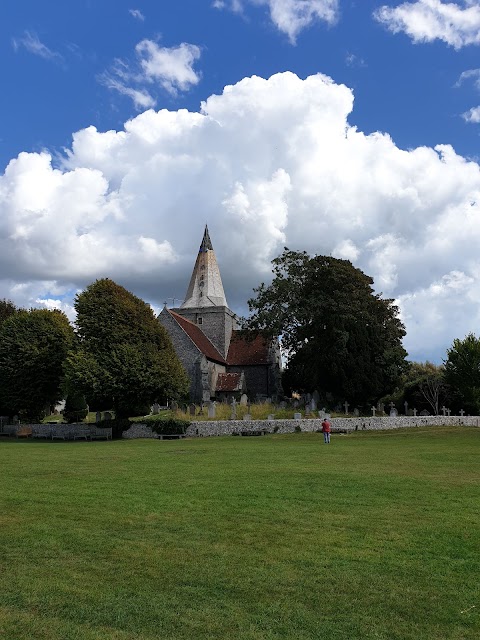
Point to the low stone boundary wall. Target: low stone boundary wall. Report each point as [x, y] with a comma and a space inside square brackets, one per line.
[58, 429]
[339, 425]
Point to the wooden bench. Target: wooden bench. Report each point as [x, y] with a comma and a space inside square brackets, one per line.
[23, 432]
[262, 432]
[171, 436]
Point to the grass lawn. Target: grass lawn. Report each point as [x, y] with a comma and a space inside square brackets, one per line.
[376, 536]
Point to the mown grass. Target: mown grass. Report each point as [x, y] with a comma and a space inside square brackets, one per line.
[373, 537]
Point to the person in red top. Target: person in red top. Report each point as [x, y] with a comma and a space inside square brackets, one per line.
[326, 430]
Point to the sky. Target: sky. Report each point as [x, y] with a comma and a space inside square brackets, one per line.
[339, 127]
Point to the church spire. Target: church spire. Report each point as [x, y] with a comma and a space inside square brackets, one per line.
[205, 288]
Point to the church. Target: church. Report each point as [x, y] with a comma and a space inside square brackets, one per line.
[221, 361]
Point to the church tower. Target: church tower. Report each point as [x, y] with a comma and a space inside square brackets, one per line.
[205, 303]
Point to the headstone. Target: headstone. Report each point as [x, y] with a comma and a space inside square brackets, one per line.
[233, 415]
[316, 397]
[107, 415]
[192, 409]
[174, 406]
[449, 411]
[307, 410]
[295, 404]
[444, 411]
[356, 412]
[373, 409]
[156, 409]
[381, 407]
[270, 416]
[405, 404]
[424, 413]
[414, 413]
[297, 416]
[346, 405]
[393, 412]
[244, 400]
[313, 404]
[212, 410]
[98, 416]
[247, 416]
[461, 412]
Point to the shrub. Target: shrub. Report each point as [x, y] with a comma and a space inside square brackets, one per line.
[298, 429]
[171, 425]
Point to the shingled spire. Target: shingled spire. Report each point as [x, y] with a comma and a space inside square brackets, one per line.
[205, 288]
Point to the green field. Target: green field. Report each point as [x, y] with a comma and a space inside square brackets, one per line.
[376, 536]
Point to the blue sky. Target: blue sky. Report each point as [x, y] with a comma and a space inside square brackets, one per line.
[281, 160]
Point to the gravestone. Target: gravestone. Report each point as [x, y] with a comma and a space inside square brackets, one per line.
[156, 409]
[321, 413]
[107, 415]
[283, 404]
[295, 404]
[313, 404]
[393, 412]
[174, 406]
[270, 416]
[346, 405]
[247, 416]
[316, 397]
[212, 410]
[307, 410]
[244, 400]
[192, 409]
[414, 413]
[297, 416]
[233, 415]
[449, 411]
[356, 412]
[98, 416]
[405, 404]
[424, 413]
[373, 410]
[444, 410]
[461, 412]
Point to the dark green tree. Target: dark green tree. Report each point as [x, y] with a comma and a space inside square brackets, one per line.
[462, 370]
[7, 309]
[33, 346]
[426, 388]
[76, 408]
[339, 336]
[125, 360]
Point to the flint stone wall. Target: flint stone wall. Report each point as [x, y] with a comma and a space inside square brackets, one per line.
[339, 425]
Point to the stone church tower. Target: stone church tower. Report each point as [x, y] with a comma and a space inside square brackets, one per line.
[220, 360]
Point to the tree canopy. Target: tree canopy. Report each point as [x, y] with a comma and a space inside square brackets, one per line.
[340, 337]
[462, 369]
[33, 345]
[125, 359]
[7, 309]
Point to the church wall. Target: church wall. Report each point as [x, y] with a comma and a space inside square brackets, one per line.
[188, 354]
[258, 379]
[216, 323]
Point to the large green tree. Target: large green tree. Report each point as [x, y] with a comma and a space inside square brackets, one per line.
[340, 337]
[7, 309]
[33, 346]
[125, 360]
[462, 370]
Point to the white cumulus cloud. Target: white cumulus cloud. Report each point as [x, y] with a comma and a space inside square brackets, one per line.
[268, 163]
[457, 24]
[289, 16]
[171, 67]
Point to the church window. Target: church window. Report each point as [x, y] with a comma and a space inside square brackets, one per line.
[199, 320]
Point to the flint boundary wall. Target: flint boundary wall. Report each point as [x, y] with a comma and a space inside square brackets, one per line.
[339, 425]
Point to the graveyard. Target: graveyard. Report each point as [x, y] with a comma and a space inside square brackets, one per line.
[373, 537]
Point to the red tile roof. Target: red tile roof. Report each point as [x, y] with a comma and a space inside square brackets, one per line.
[229, 382]
[198, 338]
[244, 350]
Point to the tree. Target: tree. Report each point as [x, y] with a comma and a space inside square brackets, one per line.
[33, 345]
[339, 336]
[126, 360]
[426, 387]
[462, 369]
[76, 408]
[7, 309]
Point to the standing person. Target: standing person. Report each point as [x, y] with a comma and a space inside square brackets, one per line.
[326, 430]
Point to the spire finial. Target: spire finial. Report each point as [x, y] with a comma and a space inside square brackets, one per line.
[206, 242]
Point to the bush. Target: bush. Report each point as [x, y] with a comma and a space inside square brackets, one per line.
[76, 408]
[171, 425]
[298, 429]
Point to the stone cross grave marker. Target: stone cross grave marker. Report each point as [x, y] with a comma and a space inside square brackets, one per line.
[444, 410]
[461, 412]
[449, 411]
[414, 413]
[373, 410]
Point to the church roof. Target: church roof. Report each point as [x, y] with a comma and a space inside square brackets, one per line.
[245, 351]
[205, 288]
[229, 382]
[198, 337]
